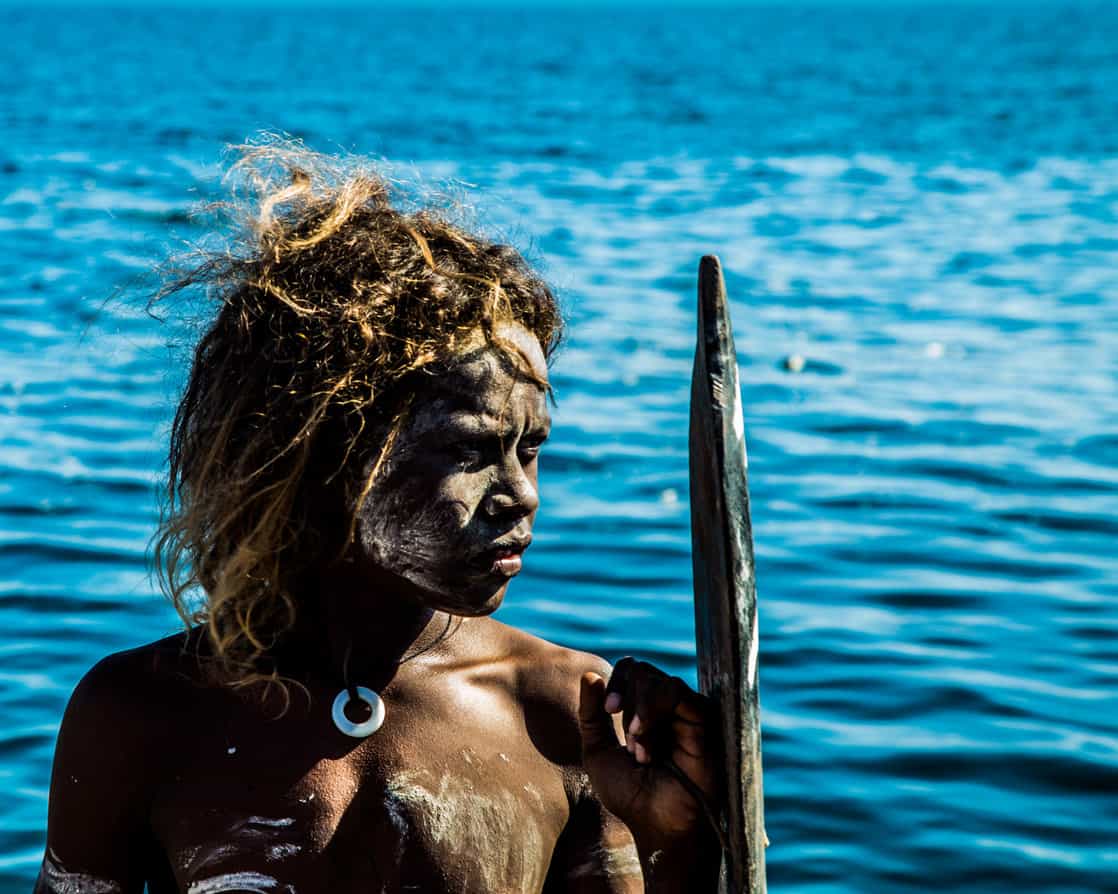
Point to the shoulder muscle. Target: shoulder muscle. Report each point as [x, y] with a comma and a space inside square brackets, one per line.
[110, 742]
[549, 677]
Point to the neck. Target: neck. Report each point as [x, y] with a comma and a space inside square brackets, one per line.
[359, 628]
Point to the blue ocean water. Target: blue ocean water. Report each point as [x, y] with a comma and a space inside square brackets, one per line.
[921, 202]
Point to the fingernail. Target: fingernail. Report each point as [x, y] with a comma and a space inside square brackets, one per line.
[613, 702]
[636, 725]
[640, 753]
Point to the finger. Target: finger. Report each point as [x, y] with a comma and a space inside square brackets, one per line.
[594, 723]
[696, 719]
[655, 697]
[691, 750]
[692, 707]
[617, 689]
[655, 718]
[619, 698]
[697, 744]
[692, 725]
[669, 719]
[642, 693]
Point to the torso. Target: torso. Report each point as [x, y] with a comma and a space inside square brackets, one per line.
[465, 788]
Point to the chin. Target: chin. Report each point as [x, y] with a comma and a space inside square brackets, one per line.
[470, 607]
[449, 590]
[468, 599]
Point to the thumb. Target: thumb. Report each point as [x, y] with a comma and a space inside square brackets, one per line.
[595, 725]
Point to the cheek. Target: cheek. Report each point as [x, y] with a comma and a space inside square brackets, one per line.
[463, 494]
[417, 512]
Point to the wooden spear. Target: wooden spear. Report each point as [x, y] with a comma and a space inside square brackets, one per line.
[725, 595]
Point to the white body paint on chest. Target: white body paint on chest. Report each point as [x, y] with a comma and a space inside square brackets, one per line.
[254, 882]
[254, 839]
[489, 833]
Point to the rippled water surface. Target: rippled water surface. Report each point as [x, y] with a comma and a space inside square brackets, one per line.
[920, 203]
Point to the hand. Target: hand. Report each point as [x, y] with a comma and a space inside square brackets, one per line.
[664, 721]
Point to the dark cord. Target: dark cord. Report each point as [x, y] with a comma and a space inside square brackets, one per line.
[701, 798]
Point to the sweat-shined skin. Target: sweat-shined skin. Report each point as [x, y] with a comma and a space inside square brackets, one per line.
[499, 767]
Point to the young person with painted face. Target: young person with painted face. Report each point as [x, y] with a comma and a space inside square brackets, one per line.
[353, 481]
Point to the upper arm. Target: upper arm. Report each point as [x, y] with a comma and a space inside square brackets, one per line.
[595, 853]
[98, 837]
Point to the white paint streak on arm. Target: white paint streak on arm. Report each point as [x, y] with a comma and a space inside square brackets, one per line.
[610, 862]
[56, 879]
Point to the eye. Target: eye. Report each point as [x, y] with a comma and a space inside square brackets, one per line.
[467, 455]
[531, 445]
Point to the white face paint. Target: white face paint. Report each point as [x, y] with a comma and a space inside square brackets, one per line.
[489, 835]
[454, 500]
[54, 878]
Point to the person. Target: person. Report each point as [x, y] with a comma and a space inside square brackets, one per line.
[353, 480]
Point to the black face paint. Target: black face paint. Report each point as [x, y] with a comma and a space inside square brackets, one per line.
[453, 503]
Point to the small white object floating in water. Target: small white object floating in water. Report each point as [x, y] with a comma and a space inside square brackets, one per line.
[795, 363]
[934, 349]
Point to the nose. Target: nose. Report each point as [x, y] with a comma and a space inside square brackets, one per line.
[513, 495]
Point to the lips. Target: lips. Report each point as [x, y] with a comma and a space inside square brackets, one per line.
[505, 558]
[508, 566]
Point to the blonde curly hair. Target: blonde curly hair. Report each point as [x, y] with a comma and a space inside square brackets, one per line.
[330, 304]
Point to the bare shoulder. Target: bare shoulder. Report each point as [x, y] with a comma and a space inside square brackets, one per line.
[547, 678]
[547, 670]
[116, 737]
[137, 678]
[125, 702]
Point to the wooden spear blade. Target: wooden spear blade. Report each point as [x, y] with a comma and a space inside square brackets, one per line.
[725, 595]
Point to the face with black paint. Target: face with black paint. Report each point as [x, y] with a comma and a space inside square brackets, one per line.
[451, 510]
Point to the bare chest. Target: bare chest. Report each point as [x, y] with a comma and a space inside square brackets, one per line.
[436, 800]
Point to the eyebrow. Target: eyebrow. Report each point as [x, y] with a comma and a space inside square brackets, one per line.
[486, 423]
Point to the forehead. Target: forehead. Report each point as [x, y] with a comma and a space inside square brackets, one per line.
[493, 385]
